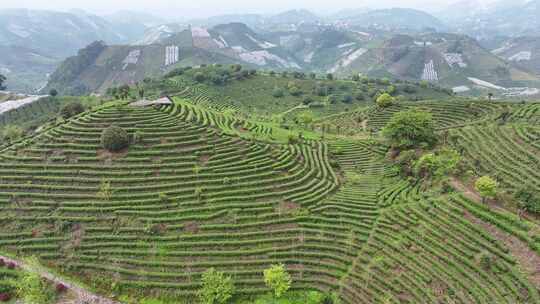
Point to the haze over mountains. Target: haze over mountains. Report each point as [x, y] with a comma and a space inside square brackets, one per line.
[395, 42]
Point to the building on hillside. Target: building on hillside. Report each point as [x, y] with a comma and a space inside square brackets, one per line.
[166, 100]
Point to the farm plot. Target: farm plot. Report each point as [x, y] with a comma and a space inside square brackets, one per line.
[511, 151]
[428, 252]
[183, 199]
[446, 114]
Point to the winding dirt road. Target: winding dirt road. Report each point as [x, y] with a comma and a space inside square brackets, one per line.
[79, 295]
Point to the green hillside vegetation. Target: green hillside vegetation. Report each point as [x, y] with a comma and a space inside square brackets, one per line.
[242, 191]
[280, 96]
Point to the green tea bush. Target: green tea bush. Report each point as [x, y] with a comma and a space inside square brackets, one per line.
[114, 139]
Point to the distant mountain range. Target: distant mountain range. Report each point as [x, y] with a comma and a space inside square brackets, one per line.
[397, 42]
[512, 18]
[448, 59]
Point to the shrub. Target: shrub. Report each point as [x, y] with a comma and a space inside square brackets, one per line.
[11, 133]
[278, 92]
[292, 139]
[330, 76]
[295, 91]
[2, 263]
[485, 260]
[347, 98]
[32, 289]
[529, 199]
[199, 77]
[11, 265]
[53, 92]
[307, 100]
[163, 197]
[277, 279]
[217, 288]
[385, 100]
[321, 90]
[332, 99]
[71, 109]
[114, 139]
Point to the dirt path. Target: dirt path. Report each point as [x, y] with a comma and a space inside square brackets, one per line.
[364, 124]
[528, 260]
[79, 295]
[300, 106]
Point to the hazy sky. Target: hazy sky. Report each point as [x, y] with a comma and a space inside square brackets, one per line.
[200, 8]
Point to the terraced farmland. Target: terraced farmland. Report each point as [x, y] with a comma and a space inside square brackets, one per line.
[201, 187]
[446, 114]
[184, 198]
[512, 152]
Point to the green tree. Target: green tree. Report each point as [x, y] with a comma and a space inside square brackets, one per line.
[217, 288]
[385, 100]
[53, 92]
[438, 164]
[410, 129]
[278, 279]
[330, 76]
[295, 91]
[71, 109]
[486, 186]
[529, 198]
[199, 77]
[2, 81]
[123, 91]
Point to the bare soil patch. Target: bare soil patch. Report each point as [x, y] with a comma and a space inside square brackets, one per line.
[107, 155]
[191, 227]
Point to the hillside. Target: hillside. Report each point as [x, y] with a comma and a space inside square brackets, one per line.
[498, 18]
[214, 180]
[449, 60]
[521, 51]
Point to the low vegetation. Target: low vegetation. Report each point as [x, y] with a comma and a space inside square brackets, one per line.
[330, 199]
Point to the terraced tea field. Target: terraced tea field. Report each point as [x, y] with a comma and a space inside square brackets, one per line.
[201, 186]
[513, 152]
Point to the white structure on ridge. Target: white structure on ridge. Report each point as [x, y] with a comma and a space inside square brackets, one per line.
[171, 54]
[430, 74]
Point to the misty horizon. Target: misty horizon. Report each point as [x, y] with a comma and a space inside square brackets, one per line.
[207, 8]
